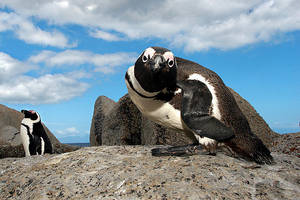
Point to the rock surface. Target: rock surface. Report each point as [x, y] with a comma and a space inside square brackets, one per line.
[257, 124]
[287, 144]
[103, 106]
[130, 172]
[123, 124]
[10, 142]
[10, 122]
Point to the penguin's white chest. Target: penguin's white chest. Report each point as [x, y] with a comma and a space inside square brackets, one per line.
[29, 123]
[158, 111]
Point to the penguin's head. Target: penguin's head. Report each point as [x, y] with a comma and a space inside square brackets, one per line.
[31, 114]
[156, 69]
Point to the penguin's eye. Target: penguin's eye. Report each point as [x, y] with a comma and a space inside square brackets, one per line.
[171, 63]
[144, 58]
[170, 58]
[148, 53]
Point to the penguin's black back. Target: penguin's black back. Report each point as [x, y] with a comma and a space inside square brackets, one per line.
[39, 132]
[231, 115]
[245, 143]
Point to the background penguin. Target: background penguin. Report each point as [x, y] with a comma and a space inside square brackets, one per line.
[33, 135]
[188, 97]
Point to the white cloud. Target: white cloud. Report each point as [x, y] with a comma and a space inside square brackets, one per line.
[104, 63]
[71, 131]
[193, 25]
[10, 67]
[287, 125]
[72, 135]
[68, 57]
[25, 30]
[16, 87]
[44, 89]
[104, 35]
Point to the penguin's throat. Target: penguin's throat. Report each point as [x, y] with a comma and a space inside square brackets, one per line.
[134, 84]
[150, 81]
[151, 84]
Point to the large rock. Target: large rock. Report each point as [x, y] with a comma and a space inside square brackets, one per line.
[123, 124]
[10, 122]
[102, 108]
[130, 172]
[10, 142]
[256, 122]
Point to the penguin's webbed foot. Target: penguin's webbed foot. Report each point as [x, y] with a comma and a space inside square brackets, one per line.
[186, 150]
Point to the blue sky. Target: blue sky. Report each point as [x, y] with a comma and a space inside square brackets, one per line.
[57, 57]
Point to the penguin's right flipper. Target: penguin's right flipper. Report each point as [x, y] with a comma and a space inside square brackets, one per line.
[196, 102]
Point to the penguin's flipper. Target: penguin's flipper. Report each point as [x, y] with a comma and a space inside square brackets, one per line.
[196, 102]
[47, 142]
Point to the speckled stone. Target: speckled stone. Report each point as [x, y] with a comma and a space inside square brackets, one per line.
[287, 144]
[130, 172]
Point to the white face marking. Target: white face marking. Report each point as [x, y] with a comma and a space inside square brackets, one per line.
[170, 58]
[136, 84]
[38, 117]
[148, 53]
[215, 104]
[25, 140]
[30, 122]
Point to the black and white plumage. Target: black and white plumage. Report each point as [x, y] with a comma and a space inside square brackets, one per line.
[33, 135]
[190, 98]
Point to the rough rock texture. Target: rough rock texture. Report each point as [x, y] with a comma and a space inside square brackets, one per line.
[10, 142]
[287, 144]
[10, 121]
[124, 124]
[103, 106]
[256, 122]
[130, 172]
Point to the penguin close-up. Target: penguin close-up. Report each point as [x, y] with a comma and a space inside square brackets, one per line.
[187, 97]
[33, 135]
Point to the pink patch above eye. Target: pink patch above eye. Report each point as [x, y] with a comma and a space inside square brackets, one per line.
[32, 111]
[168, 56]
[149, 52]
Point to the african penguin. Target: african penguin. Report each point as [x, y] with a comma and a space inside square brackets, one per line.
[33, 135]
[187, 97]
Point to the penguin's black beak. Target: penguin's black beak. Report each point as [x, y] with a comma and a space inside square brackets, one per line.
[157, 63]
[22, 111]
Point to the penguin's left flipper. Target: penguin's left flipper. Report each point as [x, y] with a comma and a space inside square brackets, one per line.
[196, 102]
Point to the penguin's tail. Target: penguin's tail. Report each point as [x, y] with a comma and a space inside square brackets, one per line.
[251, 148]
